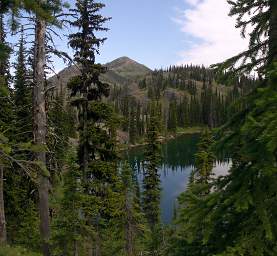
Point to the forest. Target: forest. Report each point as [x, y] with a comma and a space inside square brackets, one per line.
[66, 190]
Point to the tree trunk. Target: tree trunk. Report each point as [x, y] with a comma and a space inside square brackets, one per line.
[85, 157]
[76, 250]
[40, 130]
[3, 232]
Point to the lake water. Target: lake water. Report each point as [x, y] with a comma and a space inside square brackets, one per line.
[177, 164]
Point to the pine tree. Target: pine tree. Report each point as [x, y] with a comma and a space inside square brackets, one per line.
[204, 158]
[22, 96]
[68, 223]
[172, 119]
[5, 122]
[238, 216]
[20, 200]
[262, 50]
[97, 122]
[129, 227]
[189, 232]
[132, 126]
[151, 180]
[40, 130]
[42, 20]
[60, 128]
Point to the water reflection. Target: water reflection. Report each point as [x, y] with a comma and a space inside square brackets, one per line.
[177, 164]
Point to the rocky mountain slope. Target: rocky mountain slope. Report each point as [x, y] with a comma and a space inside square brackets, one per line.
[121, 71]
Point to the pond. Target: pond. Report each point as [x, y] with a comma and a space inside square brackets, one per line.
[177, 164]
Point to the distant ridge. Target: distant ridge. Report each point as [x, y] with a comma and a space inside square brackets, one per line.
[121, 71]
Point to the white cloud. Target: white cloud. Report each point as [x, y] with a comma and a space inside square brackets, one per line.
[216, 37]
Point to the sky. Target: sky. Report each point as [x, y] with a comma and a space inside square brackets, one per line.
[159, 33]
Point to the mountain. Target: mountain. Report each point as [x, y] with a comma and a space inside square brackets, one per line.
[128, 68]
[121, 71]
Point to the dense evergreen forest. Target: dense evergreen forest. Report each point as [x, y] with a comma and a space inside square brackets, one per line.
[64, 189]
[189, 96]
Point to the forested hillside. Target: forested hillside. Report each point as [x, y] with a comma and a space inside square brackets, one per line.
[189, 96]
[65, 189]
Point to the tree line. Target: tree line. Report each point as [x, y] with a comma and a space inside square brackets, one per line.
[189, 96]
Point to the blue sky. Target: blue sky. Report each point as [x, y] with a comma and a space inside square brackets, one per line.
[143, 30]
[159, 33]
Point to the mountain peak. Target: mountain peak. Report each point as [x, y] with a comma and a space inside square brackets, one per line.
[128, 68]
[124, 60]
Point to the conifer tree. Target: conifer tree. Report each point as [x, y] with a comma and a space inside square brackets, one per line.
[132, 126]
[40, 129]
[60, 128]
[96, 152]
[262, 50]
[68, 224]
[130, 222]
[238, 216]
[151, 180]
[5, 122]
[172, 119]
[189, 232]
[22, 95]
[42, 19]
[20, 205]
[204, 158]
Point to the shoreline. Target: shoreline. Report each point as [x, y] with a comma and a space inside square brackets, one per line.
[163, 138]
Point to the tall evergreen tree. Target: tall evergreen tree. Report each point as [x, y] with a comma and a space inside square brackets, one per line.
[68, 224]
[22, 95]
[132, 126]
[96, 152]
[5, 121]
[40, 129]
[172, 119]
[21, 200]
[238, 216]
[129, 228]
[39, 111]
[151, 180]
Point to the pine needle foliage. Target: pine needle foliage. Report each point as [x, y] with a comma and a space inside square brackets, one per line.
[258, 19]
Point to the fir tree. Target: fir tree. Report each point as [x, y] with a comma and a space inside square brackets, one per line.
[189, 232]
[204, 159]
[151, 180]
[22, 215]
[97, 123]
[40, 125]
[22, 96]
[172, 119]
[262, 50]
[68, 223]
[129, 228]
[238, 216]
[5, 122]
[132, 127]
